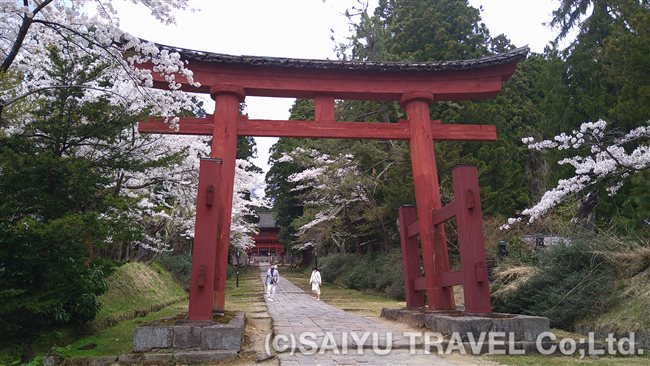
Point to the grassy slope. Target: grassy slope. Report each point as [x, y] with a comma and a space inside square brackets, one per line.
[136, 289]
[632, 314]
[117, 339]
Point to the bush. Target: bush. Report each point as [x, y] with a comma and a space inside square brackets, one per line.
[47, 277]
[180, 266]
[378, 273]
[569, 282]
[334, 265]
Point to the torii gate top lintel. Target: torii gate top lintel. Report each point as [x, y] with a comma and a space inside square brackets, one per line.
[229, 79]
[367, 80]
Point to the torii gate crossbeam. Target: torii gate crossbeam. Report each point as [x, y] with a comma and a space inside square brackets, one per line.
[229, 79]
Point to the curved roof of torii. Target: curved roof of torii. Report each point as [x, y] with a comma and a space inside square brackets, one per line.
[370, 80]
[513, 55]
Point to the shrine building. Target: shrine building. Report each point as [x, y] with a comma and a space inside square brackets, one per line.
[267, 244]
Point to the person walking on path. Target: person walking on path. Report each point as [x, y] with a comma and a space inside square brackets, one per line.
[315, 281]
[272, 278]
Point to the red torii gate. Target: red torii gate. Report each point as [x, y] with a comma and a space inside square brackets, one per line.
[229, 79]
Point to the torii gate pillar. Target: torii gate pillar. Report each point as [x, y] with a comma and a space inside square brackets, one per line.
[214, 208]
[224, 146]
[427, 195]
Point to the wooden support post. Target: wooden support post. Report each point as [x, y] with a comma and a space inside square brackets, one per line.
[205, 240]
[224, 146]
[476, 286]
[324, 108]
[410, 258]
[427, 195]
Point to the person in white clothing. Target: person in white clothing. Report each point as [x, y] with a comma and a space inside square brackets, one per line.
[315, 282]
[271, 282]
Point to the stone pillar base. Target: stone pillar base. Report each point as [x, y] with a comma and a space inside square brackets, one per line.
[190, 335]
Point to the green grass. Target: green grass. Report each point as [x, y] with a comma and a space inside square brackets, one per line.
[117, 339]
[134, 290]
[249, 296]
[631, 313]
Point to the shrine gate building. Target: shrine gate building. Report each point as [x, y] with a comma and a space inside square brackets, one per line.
[267, 244]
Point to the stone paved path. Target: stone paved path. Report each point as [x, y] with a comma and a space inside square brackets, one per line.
[331, 336]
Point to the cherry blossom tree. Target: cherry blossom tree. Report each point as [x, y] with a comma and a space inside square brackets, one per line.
[88, 30]
[602, 159]
[30, 27]
[339, 207]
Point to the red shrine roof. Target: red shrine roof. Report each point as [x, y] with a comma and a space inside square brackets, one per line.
[514, 55]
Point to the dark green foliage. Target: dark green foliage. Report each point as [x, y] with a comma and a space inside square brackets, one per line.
[379, 273]
[605, 71]
[434, 30]
[47, 275]
[632, 207]
[180, 266]
[334, 265]
[570, 282]
[57, 215]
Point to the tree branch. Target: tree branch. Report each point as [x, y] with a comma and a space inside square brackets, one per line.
[20, 38]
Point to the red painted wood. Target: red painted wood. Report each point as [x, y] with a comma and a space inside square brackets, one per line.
[449, 279]
[457, 132]
[443, 214]
[427, 194]
[205, 249]
[410, 258]
[413, 229]
[186, 126]
[224, 146]
[452, 278]
[479, 83]
[336, 130]
[419, 284]
[352, 130]
[470, 240]
[228, 84]
[324, 108]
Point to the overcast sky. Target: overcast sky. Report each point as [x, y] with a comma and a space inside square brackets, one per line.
[302, 29]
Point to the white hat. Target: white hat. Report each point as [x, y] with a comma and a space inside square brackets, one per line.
[275, 266]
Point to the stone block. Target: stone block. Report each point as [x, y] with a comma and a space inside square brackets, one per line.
[519, 327]
[529, 327]
[130, 359]
[220, 337]
[102, 361]
[151, 337]
[454, 324]
[165, 358]
[187, 337]
[413, 318]
[204, 356]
